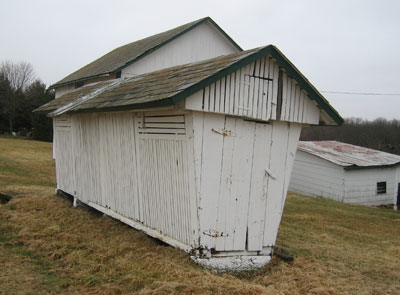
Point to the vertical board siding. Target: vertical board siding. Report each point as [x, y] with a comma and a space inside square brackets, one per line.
[136, 166]
[283, 146]
[208, 167]
[361, 186]
[296, 105]
[165, 189]
[258, 191]
[63, 154]
[314, 176]
[241, 179]
[163, 173]
[252, 92]
[234, 189]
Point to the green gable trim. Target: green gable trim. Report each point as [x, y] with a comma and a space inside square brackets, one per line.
[306, 85]
[201, 21]
[264, 51]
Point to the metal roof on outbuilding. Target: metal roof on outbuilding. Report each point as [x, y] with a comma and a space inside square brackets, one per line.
[123, 56]
[349, 156]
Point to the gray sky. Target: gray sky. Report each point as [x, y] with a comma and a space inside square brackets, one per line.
[339, 45]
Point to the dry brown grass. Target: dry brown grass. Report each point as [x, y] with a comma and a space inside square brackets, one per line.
[49, 247]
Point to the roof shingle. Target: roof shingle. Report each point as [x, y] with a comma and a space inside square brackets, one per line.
[122, 56]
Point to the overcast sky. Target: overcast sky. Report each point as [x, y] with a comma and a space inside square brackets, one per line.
[339, 45]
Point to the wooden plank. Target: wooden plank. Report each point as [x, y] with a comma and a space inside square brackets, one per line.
[210, 176]
[280, 132]
[164, 119]
[198, 121]
[250, 99]
[225, 187]
[301, 106]
[293, 108]
[298, 97]
[275, 87]
[206, 106]
[262, 94]
[211, 106]
[246, 90]
[230, 86]
[237, 93]
[192, 198]
[162, 131]
[268, 73]
[241, 175]
[170, 125]
[258, 191]
[284, 97]
[293, 139]
[218, 97]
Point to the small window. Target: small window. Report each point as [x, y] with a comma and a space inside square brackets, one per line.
[381, 188]
[118, 75]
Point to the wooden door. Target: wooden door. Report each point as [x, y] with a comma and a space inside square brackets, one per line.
[164, 192]
[237, 159]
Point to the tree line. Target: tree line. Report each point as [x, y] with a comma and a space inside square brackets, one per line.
[379, 134]
[20, 93]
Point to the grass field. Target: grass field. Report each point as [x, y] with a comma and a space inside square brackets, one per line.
[49, 247]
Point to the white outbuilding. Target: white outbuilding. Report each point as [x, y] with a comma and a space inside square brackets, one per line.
[346, 173]
[198, 155]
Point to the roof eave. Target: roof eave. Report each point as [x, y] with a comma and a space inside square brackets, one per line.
[355, 167]
[54, 86]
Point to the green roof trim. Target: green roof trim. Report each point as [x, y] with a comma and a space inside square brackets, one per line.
[264, 51]
[147, 52]
[355, 167]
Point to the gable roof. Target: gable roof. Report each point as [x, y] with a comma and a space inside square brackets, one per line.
[123, 56]
[170, 86]
[349, 156]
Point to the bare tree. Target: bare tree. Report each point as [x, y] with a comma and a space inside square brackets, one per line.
[19, 75]
[15, 78]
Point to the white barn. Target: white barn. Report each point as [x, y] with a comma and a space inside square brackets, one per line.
[346, 173]
[197, 155]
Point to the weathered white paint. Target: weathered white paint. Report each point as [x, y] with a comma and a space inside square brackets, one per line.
[212, 181]
[252, 92]
[202, 42]
[318, 177]
[360, 186]
[233, 187]
[63, 153]
[60, 91]
[195, 187]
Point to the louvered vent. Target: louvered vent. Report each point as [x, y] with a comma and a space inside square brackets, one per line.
[162, 124]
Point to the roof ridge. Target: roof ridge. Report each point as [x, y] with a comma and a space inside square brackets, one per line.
[143, 49]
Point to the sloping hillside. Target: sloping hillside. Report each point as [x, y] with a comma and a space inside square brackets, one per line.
[49, 247]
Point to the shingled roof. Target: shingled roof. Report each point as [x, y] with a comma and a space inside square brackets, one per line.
[124, 56]
[172, 85]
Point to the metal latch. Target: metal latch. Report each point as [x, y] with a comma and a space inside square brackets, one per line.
[223, 132]
[215, 234]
